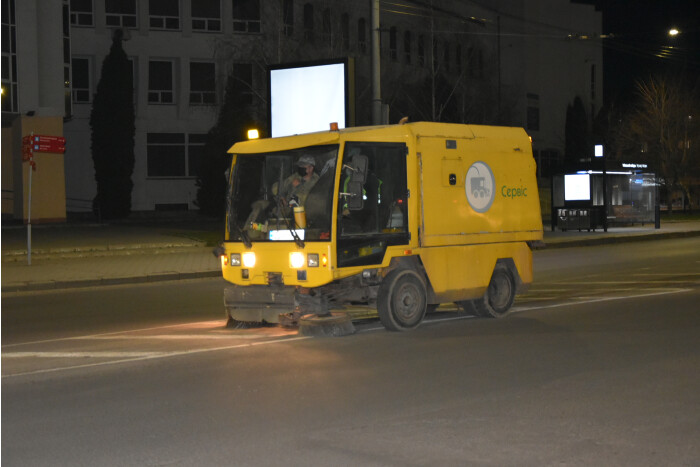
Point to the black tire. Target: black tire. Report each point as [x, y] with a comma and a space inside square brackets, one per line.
[402, 300]
[499, 296]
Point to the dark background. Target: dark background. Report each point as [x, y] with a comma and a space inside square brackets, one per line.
[640, 45]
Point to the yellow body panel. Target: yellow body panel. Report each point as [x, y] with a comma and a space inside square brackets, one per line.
[463, 272]
[447, 216]
[461, 219]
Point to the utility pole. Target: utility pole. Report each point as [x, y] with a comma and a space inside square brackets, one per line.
[498, 26]
[376, 76]
[433, 61]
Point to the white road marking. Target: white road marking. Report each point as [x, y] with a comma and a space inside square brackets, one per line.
[196, 324]
[156, 355]
[182, 337]
[152, 357]
[666, 274]
[84, 354]
[598, 299]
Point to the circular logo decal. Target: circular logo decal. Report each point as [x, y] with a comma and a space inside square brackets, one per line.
[479, 186]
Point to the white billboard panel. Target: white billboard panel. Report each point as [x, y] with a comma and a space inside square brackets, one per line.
[577, 187]
[305, 99]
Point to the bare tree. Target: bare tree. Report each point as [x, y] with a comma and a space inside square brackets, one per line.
[660, 130]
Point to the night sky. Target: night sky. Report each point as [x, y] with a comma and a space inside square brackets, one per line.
[641, 44]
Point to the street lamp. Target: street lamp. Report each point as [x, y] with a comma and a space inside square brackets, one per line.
[673, 32]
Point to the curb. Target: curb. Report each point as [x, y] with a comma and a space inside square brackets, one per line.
[175, 276]
[619, 239]
[108, 281]
[98, 252]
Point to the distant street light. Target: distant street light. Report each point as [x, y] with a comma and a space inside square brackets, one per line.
[673, 32]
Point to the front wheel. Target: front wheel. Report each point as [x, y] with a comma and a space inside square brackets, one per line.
[402, 300]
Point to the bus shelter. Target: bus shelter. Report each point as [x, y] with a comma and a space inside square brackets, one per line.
[592, 199]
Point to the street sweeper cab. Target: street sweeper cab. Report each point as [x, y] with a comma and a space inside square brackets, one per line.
[401, 217]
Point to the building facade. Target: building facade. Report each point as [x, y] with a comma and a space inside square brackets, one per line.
[505, 62]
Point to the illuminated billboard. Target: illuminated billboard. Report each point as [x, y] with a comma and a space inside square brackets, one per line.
[577, 187]
[307, 97]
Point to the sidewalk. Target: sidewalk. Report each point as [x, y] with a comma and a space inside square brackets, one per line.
[88, 255]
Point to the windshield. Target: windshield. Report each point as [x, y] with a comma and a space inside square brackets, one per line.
[282, 196]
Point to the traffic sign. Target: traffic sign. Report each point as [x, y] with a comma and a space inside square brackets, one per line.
[50, 139]
[44, 143]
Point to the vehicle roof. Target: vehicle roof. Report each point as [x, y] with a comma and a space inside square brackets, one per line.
[376, 133]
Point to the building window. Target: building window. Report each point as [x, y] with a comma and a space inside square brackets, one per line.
[447, 56]
[67, 101]
[206, 15]
[459, 58]
[9, 58]
[362, 35]
[80, 68]
[471, 62]
[309, 22]
[345, 30]
[81, 13]
[436, 63]
[202, 83]
[174, 154]
[326, 26]
[407, 46]
[421, 50]
[246, 16]
[160, 82]
[243, 76]
[288, 17]
[393, 53]
[476, 63]
[134, 80]
[165, 153]
[480, 63]
[195, 153]
[164, 14]
[121, 13]
[533, 118]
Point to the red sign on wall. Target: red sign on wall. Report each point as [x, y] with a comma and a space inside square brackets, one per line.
[43, 143]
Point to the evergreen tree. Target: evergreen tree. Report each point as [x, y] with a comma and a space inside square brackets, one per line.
[112, 125]
[576, 133]
[235, 118]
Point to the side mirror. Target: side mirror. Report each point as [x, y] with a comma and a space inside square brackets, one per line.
[358, 166]
[354, 198]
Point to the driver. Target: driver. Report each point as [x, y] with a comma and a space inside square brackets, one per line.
[296, 187]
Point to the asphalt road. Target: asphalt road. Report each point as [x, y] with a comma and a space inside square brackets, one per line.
[598, 365]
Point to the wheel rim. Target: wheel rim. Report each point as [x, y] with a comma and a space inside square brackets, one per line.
[407, 303]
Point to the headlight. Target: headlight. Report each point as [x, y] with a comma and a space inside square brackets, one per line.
[296, 259]
[249, 259]
[235, 259]
[312, 260]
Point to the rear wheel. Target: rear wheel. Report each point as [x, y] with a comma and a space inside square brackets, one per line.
[402, 300]
[499, 296]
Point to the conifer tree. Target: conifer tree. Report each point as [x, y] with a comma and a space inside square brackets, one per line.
[113, 127]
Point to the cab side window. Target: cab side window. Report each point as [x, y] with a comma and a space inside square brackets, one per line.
[365, 229]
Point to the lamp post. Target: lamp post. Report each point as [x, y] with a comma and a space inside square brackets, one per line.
[376, 60]
[598, 152]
